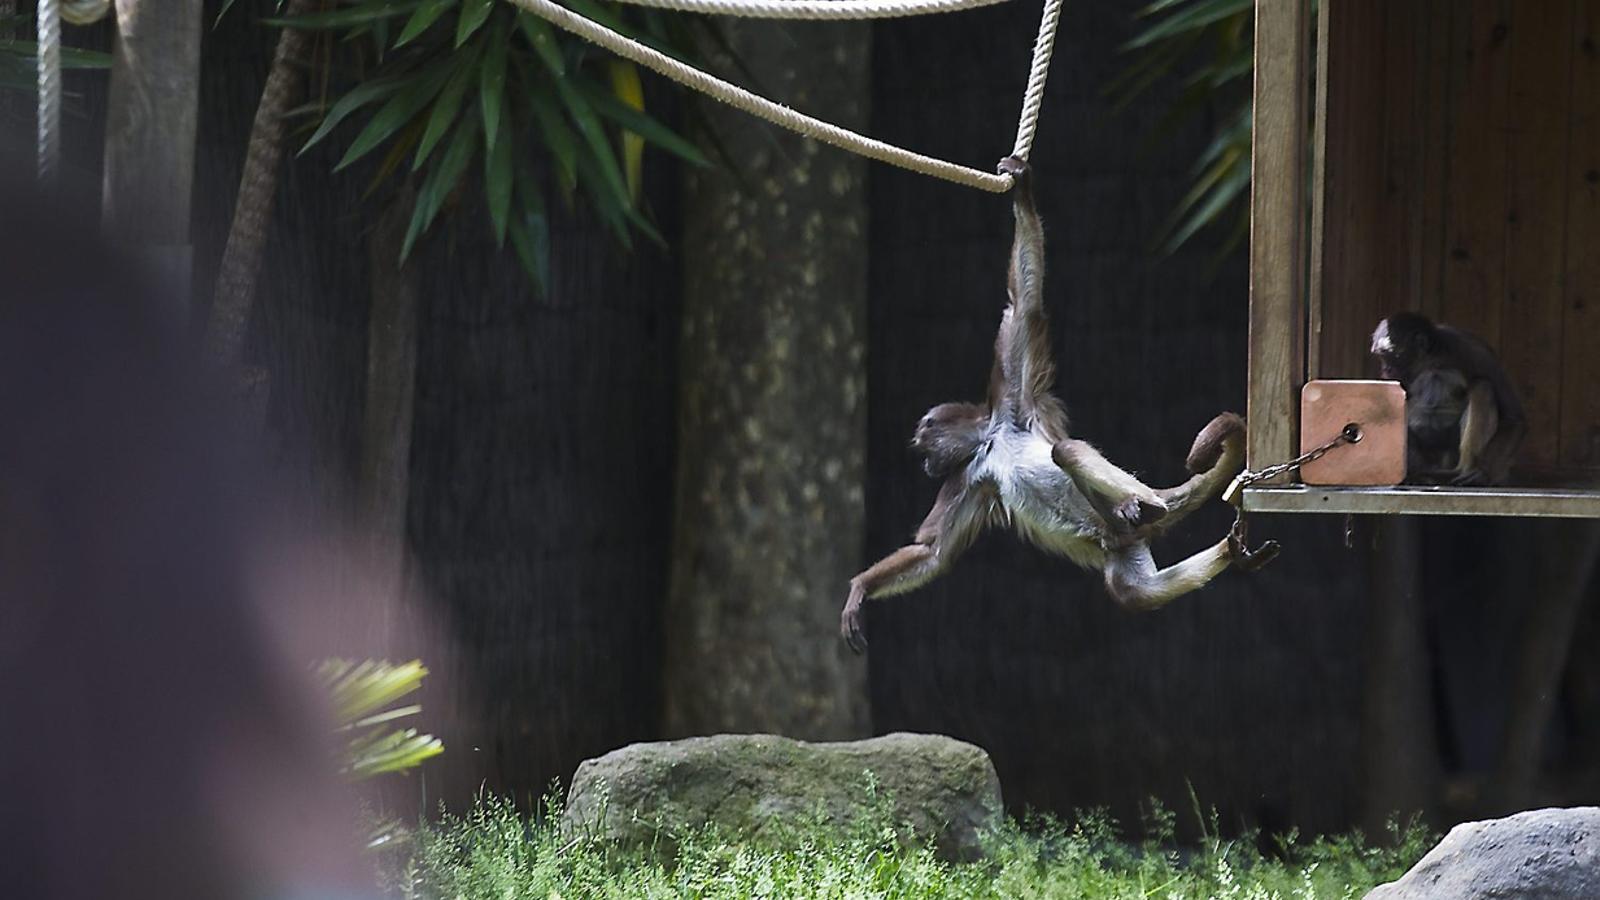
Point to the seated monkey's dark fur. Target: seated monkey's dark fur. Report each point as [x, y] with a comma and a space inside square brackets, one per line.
[1464, 421]
[1010, 462]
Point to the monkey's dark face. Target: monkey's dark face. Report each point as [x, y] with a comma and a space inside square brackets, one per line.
[1399, 341]
[948, 435]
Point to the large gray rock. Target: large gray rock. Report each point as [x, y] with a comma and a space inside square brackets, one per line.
[754, 787]
[1544, 854]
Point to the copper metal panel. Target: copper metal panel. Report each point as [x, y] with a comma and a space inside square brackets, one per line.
[1378, 408]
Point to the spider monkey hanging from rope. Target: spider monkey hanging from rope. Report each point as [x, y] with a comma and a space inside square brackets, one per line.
[1010, 462]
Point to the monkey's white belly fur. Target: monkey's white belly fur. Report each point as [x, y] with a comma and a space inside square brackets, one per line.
[1040, 500]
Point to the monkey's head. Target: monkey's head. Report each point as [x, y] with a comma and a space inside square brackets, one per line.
[949, 435]
[1400, 341]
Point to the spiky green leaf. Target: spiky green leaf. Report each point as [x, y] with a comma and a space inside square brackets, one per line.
[600, 153]
[558, 137]
[643, 125]
[543, 40]
[1197, 15]
[473, 14]
[71, 57]
[359, 96]
[497, 185]
[412, 98]
[530, 231]
[426, 14]
[492, 83]
[447, 106]
[363, 14]
[441, 181]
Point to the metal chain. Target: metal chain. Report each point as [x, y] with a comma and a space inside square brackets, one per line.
[1351, 434]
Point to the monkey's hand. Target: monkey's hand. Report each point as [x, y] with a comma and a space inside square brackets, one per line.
[850, 625]
[1017, 168]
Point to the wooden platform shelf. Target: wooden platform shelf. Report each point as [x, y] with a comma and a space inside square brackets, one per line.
[1426, 501]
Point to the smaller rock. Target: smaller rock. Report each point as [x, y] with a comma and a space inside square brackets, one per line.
[757, 787]
[1543, 854]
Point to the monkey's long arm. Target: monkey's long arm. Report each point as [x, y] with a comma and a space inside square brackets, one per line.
[949, 529]
[1023, 373]
[1488, 442]
[1495, 422]
[902, 570]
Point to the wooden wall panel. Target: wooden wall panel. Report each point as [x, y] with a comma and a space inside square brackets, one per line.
[1349, 280]
[1437, 29]
[1460, 176]
[1536, 216]
[1400, 180]
[1382, 203]
[1580, 358]
[1475, 192]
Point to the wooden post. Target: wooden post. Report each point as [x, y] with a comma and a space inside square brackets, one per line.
[1319, 198]
[1555, 584]
[1399, 755]
[1277, 246]
[151, 118]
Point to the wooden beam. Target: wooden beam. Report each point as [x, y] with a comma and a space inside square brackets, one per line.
[1277, 228]
[1319, 193]
[1426, 501]
[1399, 754]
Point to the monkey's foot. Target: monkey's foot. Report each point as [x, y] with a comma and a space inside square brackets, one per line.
[1471, 477]
[1251, 560]
[851, 628]
[1135, 512]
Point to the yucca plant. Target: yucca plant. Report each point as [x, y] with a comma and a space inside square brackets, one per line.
[1209, 43]
[464, 88]
[362, 694]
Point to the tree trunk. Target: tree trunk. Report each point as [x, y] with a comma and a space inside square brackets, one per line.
[385, 475]
[151, 117]
[770, 514]
[258, 191]
[1400, 758]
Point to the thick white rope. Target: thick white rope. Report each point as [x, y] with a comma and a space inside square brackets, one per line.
[809, 126]
[49, 62]
[1033, 98]
[815, 9]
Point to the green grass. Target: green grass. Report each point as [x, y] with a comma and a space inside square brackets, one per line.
[495, 854]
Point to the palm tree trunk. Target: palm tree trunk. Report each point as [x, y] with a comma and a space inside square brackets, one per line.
[384, 479]
[258, 191]
[770, 519]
